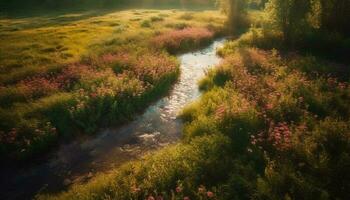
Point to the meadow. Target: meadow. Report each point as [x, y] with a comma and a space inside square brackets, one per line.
[264, 129]
[272, 123]
[67, 74]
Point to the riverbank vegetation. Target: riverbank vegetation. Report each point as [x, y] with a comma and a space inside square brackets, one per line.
[70, 74]
[273, 121]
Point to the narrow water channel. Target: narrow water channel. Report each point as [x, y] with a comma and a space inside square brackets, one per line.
[81, 160]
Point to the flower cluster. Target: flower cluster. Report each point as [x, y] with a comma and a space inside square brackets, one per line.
[8, 137]
[203, 193]
[148, 67]
[174, 40]
[280, 136]
[19, 139]
[46, 84]
[152, 67]
[38, 86]
[72, 74]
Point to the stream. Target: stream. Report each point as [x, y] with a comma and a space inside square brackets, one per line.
[80, 160]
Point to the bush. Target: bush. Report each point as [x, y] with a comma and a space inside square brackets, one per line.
[146, 24]
[156, 19]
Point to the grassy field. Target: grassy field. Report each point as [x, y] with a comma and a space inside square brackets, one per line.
[271, 125]
[273, 121]
[263, 130]
[65, 74]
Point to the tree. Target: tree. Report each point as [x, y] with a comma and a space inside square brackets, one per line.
[235, 11]
[289, 16]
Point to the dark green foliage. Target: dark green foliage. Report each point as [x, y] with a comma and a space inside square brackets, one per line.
[289, 17]
[146, 24]
[318, 27]
[329, 45]
[334, 16]
[6, 5]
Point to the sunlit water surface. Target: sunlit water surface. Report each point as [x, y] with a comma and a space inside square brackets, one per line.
[158, 126]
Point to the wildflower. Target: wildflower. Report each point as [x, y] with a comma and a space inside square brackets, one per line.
[269, 106]
[93, 95]
[39, 86]
[150, 198]
[178, 189]
[210, 194]
[201, 189]
[342, 86]
[160, 198]
[280, 136]
[187, 198]
[135, 189]
[301, 99]
[174, 39]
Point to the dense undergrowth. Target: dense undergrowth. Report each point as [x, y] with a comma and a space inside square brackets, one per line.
[69, 74]
[270, 125]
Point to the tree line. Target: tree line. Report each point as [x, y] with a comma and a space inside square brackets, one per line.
[316, 26]
[293, 17]
[62, 4]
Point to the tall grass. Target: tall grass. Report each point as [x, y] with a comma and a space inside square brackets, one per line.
[264, 129]
[65, 75]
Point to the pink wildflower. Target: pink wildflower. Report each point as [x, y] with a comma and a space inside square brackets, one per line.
[178, 189]
[210, 194]
[201, 189]
[160, 198]
[150, 198]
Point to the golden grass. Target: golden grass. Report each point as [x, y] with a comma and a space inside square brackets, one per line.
[38, 44]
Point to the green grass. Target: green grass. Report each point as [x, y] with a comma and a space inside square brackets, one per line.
[74, 73]
[271, 124]
[45, 43]
[159, 172]
[267, 127]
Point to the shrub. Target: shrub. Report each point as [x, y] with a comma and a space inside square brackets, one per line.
[186, 16]
[157, 19]
[146, 24]
[178, 26]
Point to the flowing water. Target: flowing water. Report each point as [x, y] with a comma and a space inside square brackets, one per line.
[79, 161]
